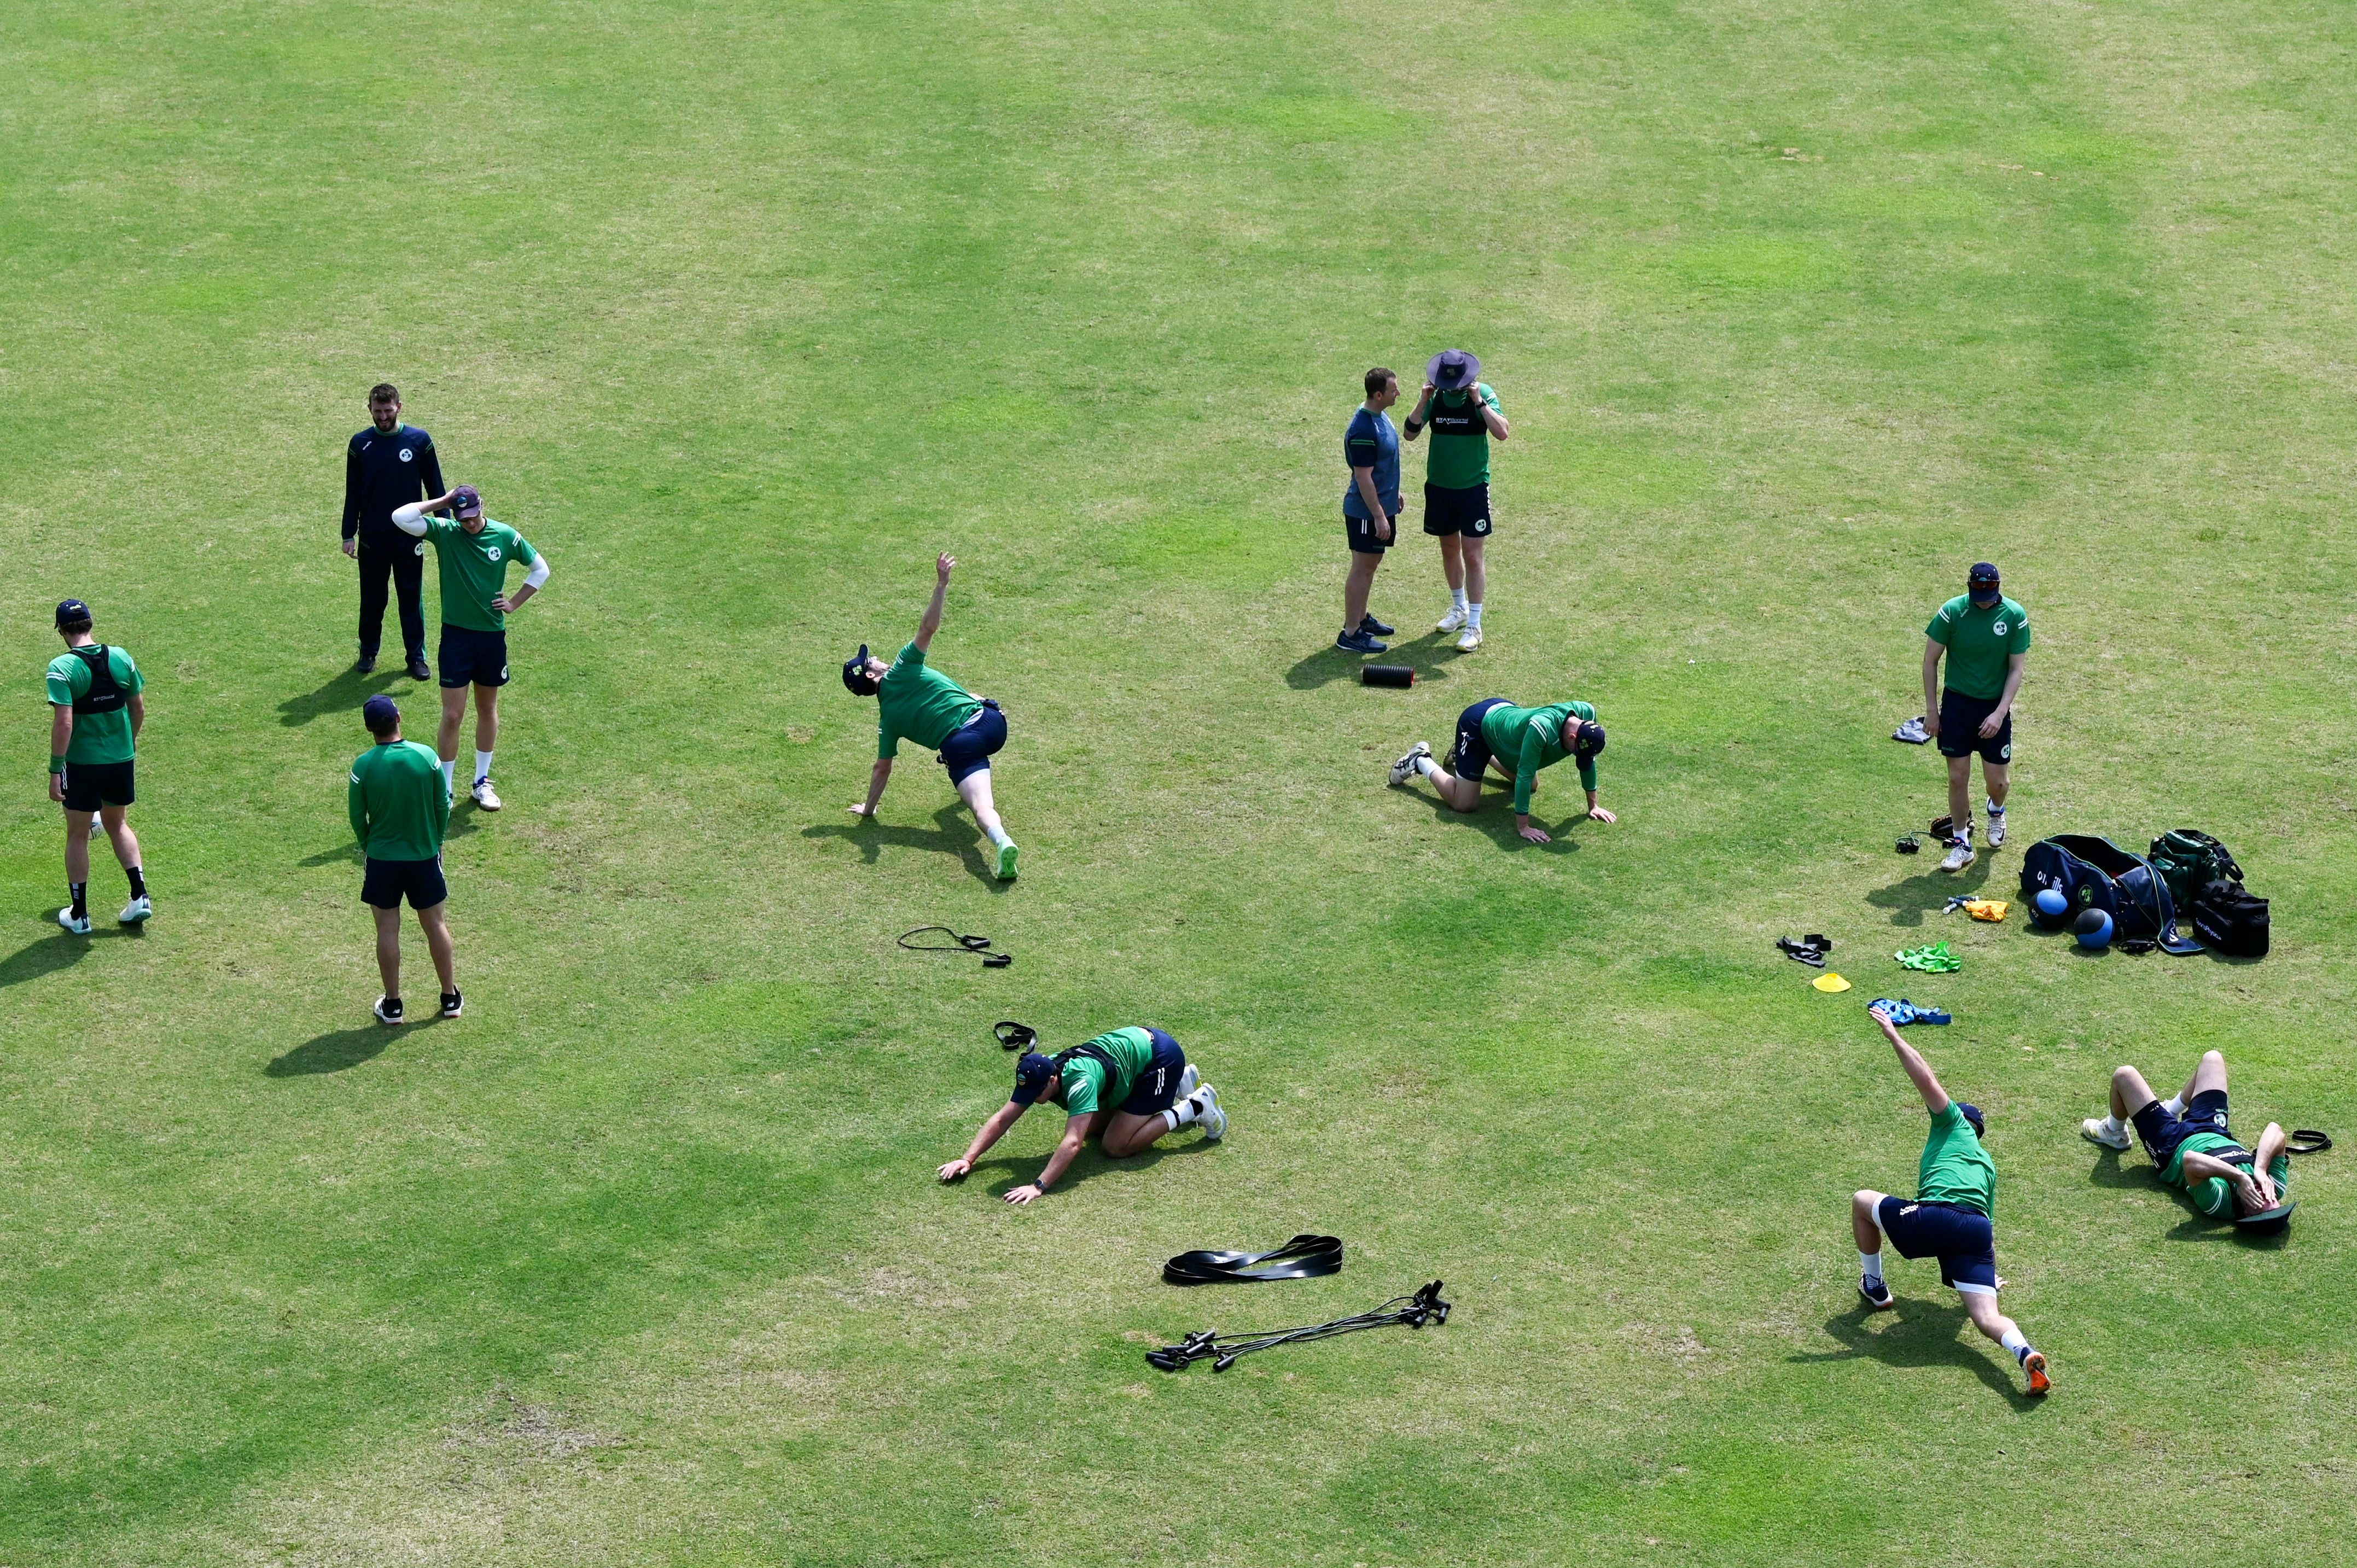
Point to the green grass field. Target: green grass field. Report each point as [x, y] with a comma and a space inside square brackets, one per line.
[742, 312]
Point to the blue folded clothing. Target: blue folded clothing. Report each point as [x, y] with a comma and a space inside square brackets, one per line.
[1902, 1011]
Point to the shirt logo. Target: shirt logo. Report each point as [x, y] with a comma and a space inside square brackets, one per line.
[421, 547]
[1998, 628]
[404, 455]
[492, 553]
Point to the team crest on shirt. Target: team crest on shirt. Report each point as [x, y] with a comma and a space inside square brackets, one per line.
[421, 547]
[1998, 628]
[492, 553]
[404, 455]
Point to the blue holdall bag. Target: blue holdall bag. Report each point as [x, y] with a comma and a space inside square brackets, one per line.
[2095, 873]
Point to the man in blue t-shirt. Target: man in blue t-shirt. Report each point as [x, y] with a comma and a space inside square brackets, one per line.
[1370, 504]
[388, 465]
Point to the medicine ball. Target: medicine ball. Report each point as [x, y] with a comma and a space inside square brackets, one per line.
[2095, 927]
[2051, 904]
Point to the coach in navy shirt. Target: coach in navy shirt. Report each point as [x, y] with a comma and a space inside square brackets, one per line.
[1370, 503]
[388, 465]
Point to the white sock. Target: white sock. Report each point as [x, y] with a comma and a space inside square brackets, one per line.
[2014, 1342]
[1180, 1114]
[1995, 809]
[448, 768]
[1427, 766]
[482, 764]
[2111, 1127]
[1965, 832]
[2173, 1105]
[1872, 1263]
[1456, 597]
[1473, 615]
[998, 837]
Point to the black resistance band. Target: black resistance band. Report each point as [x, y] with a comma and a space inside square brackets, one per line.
[1304, 1257]
[1221, 1349]
[979, 946]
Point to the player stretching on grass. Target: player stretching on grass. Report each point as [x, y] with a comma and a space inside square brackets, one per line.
[474, 553]
[2188, 1140]
[1130, 1087]
[95, 712]
[1518, 742]
[915, 702]
[1950, 1218]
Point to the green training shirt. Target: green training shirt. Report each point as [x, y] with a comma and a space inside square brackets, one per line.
[1955, 1168]
[475, 569]
[97, 737]
[915, 702]
[2215, 1196]
[1527, 739]
[1085, 1085]
[399, 801]
[1461, 457]
[1979, 642]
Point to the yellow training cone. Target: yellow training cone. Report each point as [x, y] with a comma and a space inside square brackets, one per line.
[1830, 982]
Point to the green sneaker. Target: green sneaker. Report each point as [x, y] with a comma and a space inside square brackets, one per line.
[1007, 862]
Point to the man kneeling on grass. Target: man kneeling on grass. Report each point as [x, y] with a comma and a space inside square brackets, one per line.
[1950, 1218]
[2188, 1141]
[1131, 1087]
[1518, 742]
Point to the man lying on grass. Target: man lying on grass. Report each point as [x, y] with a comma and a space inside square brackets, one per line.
[1518, 742]
[1129, 1087]
[1950, 1218]
[2188, 1141]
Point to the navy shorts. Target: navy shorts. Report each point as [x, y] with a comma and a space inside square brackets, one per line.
[388, 881]
[90, 785]
[970, 746]
[1965, 1243]
[1959, 727]
[1463, 511]
[1469, 754]
[1158, 1087]
[471, 658]
[1360, 533]
[2161, 1133]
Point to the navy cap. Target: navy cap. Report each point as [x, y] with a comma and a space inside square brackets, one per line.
[1588, 738]
[1973, 1115]
[1032, 1072]
[1982, 583]
[1453, 369]
[855, 678]
[380, 712]
[467, 501]
[73, 612]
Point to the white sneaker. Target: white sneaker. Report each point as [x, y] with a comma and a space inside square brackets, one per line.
[79, 928]
[1188, 1081]
[1471, 640]
[1454, 618]
[1405, 768]
[484, 796]
[135, 911]
[2092, 1129]
[1996, 828]
[1213, 1121]
[1960, 856]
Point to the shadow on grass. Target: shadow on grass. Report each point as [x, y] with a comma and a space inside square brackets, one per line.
[1927, 894]
[951, 834]
[1010, 1173]
[1495, 818]
[333, 1052]
[347, 692]
[45, 955]
[1920, 1334]
[1429, 656]
[2112, 1171]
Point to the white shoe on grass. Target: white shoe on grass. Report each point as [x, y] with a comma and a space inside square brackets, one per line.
[1960, 856]
[1471, 640]
[1188, 1081]
[77, 925]
[1213, 1120]
[1456, 616]
[1996, 828]
[484, 796]
[2092, 1129]
[1405, 768]
[135, 911]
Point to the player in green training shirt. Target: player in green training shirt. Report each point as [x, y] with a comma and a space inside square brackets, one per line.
[399, 800]
[1517, 741]
[1464, 417]
[915, 702]
[95, 712]
[474, 553]
[1952, 1216]
[1129, 1087]
[2191, 1143]
[1985, 638]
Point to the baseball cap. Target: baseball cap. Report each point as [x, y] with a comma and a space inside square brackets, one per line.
[1982, 583]
[1452, 369]
[855, 678]
[380, 712]
[73, 612]
[1587, 739]
[1971, 1113]
[1032, 1072]
[467, 501]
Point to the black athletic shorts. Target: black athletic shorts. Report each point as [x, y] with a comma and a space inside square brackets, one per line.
[388, 880]
[1469, 757]
[1965, 1243]
[1157, 1086]
[471, 658]
[969, 747]
[2161, 1133]
[90, 785]
[1456, 511]
[1959, 727]
[1360, 533]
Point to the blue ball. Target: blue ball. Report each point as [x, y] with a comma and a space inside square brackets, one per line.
[2050, 903]
[2095, 928]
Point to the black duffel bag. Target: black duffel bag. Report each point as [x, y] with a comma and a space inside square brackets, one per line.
[2227, 917]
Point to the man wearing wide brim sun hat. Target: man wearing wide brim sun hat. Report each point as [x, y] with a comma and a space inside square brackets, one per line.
[1463, 414]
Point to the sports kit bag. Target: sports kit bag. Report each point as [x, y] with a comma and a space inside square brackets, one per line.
[2188, 861]
[2095, 873]
[2227, 917]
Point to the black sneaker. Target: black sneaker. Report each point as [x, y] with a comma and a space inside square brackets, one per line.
[387, 1009]
[1878, 1294]
[419, 670]
[1360, 642]
[1374, 627]
[365, 663]
[451, 1001]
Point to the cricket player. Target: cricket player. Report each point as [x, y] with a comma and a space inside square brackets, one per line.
[2191, 1143]
[1985, 638]
[399, 800]
[95, 713]
[1371, 507]
[1517, 741]
[1128, 1087]
[386, 465]
[1464, 417]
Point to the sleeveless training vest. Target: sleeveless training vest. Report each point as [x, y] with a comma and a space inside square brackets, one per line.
[105, 695]
[1463, 420]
